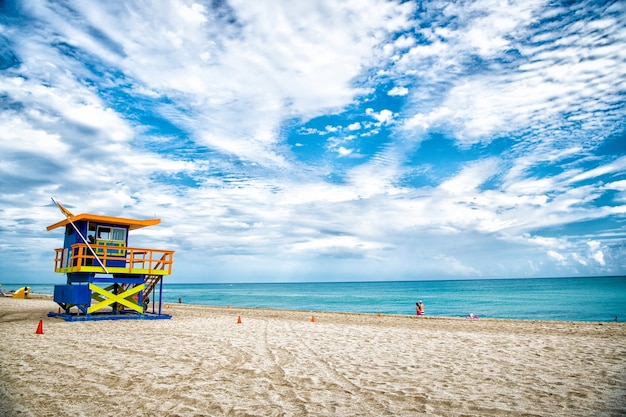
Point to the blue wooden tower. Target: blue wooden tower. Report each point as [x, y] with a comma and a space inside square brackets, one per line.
[106, 278]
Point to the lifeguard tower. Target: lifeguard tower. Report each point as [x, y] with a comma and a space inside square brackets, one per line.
[106, 278]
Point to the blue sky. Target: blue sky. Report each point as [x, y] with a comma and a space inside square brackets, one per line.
[320, 140]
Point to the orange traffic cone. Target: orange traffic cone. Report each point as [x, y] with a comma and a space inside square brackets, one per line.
[379, 314]
[40, 328]
[313, 319]
[239, 320]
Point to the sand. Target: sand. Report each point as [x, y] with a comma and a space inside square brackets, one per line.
[280, 363]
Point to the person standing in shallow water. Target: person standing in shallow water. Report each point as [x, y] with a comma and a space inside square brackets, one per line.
[419, 308]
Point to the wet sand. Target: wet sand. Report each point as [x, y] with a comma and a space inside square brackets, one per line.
[280, 363]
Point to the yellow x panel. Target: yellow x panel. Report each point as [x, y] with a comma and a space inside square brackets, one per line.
[110, 298]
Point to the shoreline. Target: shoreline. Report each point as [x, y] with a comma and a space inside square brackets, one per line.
[280, 362]
[527, 299]
[410, 316]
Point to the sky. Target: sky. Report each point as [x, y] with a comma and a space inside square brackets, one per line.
[327, 140]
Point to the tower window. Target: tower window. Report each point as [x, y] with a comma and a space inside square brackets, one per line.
[111, 233]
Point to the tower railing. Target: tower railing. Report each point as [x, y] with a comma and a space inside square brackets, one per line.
[115, 259]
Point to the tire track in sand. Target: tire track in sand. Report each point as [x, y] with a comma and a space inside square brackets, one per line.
[269, 381]
[326, 390]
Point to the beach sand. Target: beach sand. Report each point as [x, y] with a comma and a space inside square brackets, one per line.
[280, 363]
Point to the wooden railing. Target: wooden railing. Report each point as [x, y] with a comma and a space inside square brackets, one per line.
[115, 259]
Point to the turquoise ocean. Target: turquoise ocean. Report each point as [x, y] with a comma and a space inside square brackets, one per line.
[563, 299]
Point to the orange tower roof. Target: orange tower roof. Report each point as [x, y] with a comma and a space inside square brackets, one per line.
[120, 221]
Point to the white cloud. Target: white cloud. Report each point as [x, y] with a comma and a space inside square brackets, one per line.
[546, 242]
[398, 91]
[73, 103]
[423, 122]
[343, 151]
[471, 177]
[593, 245]
[599, 257]
[454, 267]
[335, 245]
[582, 261]
[383, 116]
[556, 256]
[617, 166]
[616, 185]
[595, 252]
